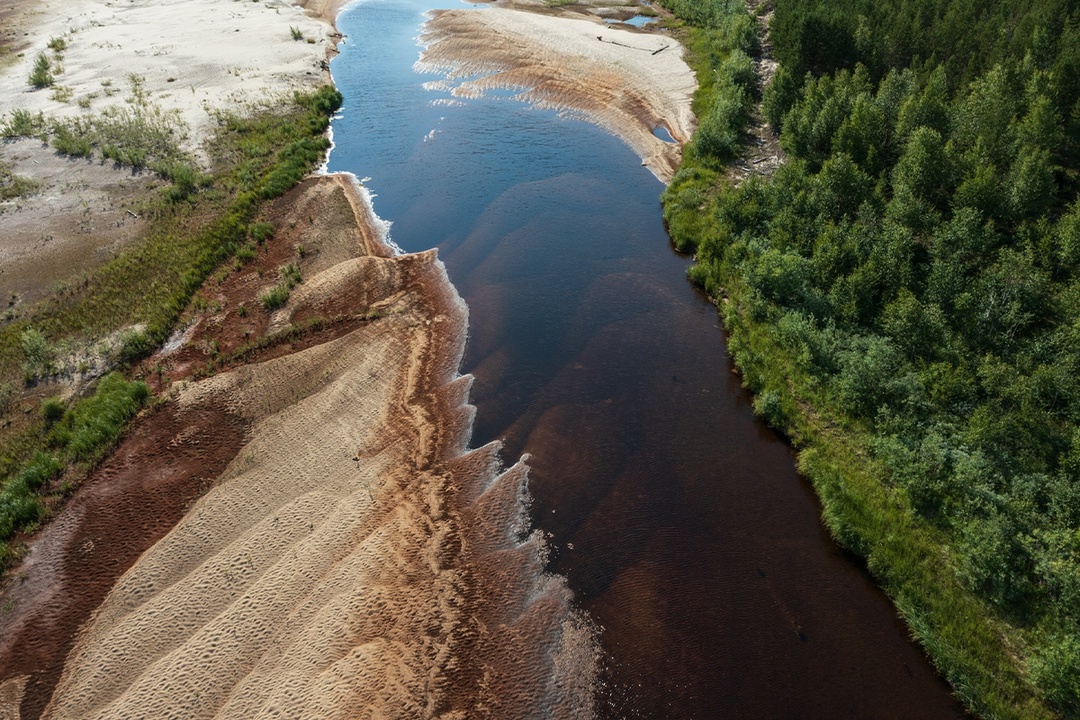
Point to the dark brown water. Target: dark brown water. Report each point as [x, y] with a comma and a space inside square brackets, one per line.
[677, 518]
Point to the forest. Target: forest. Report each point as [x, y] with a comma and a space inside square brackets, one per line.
[903, 298]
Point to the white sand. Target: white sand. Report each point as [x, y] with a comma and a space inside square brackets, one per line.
[196, 57]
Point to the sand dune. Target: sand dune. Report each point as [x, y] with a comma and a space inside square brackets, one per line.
[353, 560]
[627, 82]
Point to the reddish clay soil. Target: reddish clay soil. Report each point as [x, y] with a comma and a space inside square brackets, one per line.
[314, 228]
[168, 459]
[171, 456]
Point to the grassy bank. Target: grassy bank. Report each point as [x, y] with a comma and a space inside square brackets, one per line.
[196, 222]
[721, 38]
[902, 297]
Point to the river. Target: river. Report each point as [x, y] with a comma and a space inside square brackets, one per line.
[677, 518]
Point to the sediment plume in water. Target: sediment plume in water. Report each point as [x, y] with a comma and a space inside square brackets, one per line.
[353, 560]
[629, 83]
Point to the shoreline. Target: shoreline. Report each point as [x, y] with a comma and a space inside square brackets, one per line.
[628, 82]
[471, 528]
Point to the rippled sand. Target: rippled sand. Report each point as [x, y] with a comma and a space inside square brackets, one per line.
[353, 560]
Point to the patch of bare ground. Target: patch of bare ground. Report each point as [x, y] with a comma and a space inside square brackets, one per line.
[14, 37]
[85, 213]
[762, 153]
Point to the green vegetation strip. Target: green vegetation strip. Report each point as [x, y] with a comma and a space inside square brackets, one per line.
[903, 297]
[195, 226]
[78, 437]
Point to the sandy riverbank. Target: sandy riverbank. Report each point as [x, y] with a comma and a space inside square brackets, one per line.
[194, 59]
[326, 574]
[349, 560]
[627, 82]
[302, 533]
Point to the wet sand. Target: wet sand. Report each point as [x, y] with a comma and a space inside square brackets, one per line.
[630, 83]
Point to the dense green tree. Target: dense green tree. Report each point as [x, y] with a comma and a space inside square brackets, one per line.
[909, 279]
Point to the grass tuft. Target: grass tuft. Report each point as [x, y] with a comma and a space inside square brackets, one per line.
[23, 123]
[41, 76]
[15, 186]
[276, 296]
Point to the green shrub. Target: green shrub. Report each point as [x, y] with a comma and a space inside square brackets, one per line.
[134, 346]
[246, 252]
[719, 134]
[275, 297]
[39, 355]
[260, 232]
[325, 101]
[18, 508]
[279, 294]
[42, 468]
[93, 425]
[140, 133]
[290, 275]
[41, 76]
[72, 138]
[739, 68]
[24, 123]
[186, 180]
[52, 409]
[1057, 669]
[15, 186]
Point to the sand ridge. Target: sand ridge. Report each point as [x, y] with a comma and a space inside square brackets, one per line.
[353, 560]
[628, 82]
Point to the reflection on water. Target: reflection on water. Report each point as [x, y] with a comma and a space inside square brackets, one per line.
[677, 518]
[663, 133]
[636, 21]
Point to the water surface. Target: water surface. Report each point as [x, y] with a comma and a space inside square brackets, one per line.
[678, 519]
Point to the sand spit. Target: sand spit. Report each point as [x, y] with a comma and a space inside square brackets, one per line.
[352, 560]
[194, 58]
[628, 82]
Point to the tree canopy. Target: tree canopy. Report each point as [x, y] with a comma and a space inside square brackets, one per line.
[914, 266]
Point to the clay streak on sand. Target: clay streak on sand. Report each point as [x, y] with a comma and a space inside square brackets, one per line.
[353, 560]
[308, 535]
